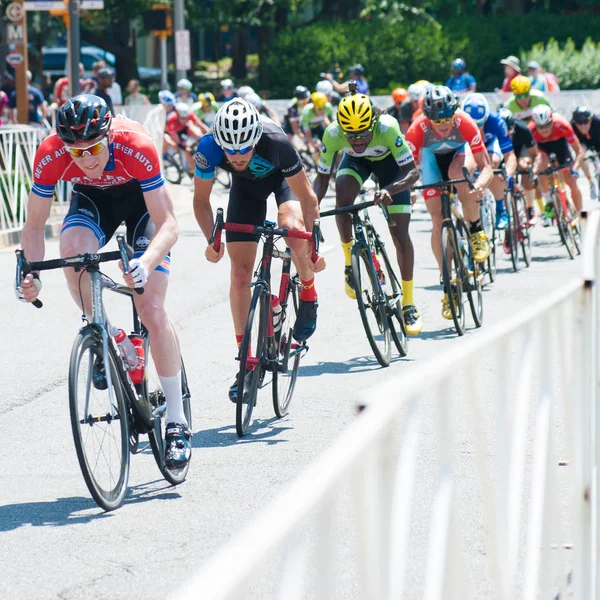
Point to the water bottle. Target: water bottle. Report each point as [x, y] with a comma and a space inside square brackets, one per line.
[137, 375]
[126, 349]
[277, 313]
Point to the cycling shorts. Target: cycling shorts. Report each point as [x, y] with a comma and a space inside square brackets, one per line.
[559, 147]
[248, 202]
[493, 149]
[386, 171]
[318, 131]
[434, 168]
[103, 210]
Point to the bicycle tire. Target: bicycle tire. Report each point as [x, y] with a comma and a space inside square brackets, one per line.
[223, 177]
[111, 497]
[394, 310]
[472, 280]
[512, 231]
[172, 170]
[575, 227]
[563, 224]
[288, 350]
[250, 375]
[490, 231]
[523, 228]
[369, 298]
[452, 276]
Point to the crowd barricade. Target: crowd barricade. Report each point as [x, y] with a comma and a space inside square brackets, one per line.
[449, 458]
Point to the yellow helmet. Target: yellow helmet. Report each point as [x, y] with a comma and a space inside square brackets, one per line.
[319, 99]
[207, 98]
[520, 85]
[355, 113]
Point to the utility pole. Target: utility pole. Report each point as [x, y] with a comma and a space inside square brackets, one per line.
[179, 22]
[17, 33]
[72, 22]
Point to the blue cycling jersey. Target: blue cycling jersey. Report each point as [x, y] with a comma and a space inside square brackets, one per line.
[495, 128]
[461, 84]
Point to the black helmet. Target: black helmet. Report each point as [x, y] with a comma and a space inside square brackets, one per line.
[301, 92]
[82, 119]
[508, 117]
[440, 102]
[582, 114]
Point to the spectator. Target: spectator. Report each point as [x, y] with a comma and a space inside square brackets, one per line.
[535, 72]
[356, 72]
[227, 91]
[184, 92]
[8, 84]
[135, 98]
[61, 87]
[4, 110]
[512, 68]
[461, 82]
[37, 105]
[99, 64]
[105, 80]
[114, 91]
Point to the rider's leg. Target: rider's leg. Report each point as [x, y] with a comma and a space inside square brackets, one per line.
[498, 188]
[571, 181]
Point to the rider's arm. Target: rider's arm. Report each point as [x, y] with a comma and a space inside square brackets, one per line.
[395, 141]
[333, 140]
[510, 163]
[199, 126]
[33, 234]
[202, 208]
[536, 159]
[300, 187]
[579, 150]
[471, 134]
[162, 212]
[486, 171]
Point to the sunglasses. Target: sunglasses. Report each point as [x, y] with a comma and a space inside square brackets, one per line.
[522, 95]
[92, 150]
[546, 126]
[445, 121]
[242, 151]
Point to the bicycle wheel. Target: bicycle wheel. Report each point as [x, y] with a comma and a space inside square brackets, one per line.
[575, 227]
[563, 224]
[99, 421]
[172, 170]
[288, 352]
[393, 292]
[522, 223]
[151, 390]
[512, 233]
[487, 212]
[371, 303]
[223, 177]
[452, 276]
[251, 353]
[472, 276]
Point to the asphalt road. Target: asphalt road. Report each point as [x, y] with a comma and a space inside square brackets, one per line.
[56, 543]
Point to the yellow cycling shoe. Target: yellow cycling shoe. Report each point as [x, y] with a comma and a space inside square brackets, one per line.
[446, 310]
[412, 320]
[348, 278]
[481, 247]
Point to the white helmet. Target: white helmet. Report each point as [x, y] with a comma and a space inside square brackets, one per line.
[184, 84]
[183, 109]
[416, 91]
[244, 91]
[542, 115]
[237, 125]
[325, 87]
[254, 99]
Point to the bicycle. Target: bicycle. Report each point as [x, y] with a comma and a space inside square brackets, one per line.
[517, 234]
[268, 344]
[461, 274]
[107, 419]
[567, 219]
[593, 157]
[378, 290]
[487, 215]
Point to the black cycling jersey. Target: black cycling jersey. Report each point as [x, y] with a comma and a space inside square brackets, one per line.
[522, 137]
[406, 111]
[592, 139]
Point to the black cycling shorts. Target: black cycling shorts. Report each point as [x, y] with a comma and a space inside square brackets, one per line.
[560, 148]
[248, 202]
[386, 171]
[103, 210]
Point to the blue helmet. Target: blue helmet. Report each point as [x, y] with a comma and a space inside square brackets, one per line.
[166, 97]
[458, 64]
[477, 106]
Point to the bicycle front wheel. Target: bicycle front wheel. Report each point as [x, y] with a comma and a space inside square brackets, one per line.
[522, 222]
[371, 303]
[512, 233]
[99, 420]
[452, 276]
[472, 276]
[172, 170]
[251, 353]
[289, 353]
[223, 177]
[564, 225]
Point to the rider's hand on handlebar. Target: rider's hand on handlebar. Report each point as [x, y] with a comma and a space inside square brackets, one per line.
[212, 255]
[138, 274]
[317, 266]
[477, 193]
[383, 196]
[30, 289]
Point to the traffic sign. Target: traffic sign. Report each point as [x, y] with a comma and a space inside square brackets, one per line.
[14, 58]
[14, 33]
[14, 12]
[42, 5]
[183, 58]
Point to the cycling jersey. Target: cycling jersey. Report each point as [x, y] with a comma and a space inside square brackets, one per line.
[496, 131]
[535, 98]
[273, 152]
[463, 84]
[175, 126]
[133, 156]
[311, 120]
[191, 98]
[522, 138]
[387, 139]
[592, 138]
[206, 117]
[558, 141]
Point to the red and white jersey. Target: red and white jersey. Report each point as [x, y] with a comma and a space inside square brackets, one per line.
[174, 125]
[133, 156]
[561, 129]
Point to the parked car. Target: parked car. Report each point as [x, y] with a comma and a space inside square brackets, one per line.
[54, 60]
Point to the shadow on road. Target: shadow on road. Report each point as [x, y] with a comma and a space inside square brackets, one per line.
[360, 364]
[544, 259]
[262, 430]
[439, 334]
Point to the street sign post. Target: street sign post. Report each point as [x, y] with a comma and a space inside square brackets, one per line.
[183, 59]
[16, 33]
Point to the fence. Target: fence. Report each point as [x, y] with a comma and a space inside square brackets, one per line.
[511, 505]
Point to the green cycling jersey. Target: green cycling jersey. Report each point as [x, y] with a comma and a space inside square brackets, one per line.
[311, 120]
[535, 99]
[387, 138]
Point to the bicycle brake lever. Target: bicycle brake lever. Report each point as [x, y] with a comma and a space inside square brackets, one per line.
[22, 271]
[215, 238]
[126, 253]
[469, 178]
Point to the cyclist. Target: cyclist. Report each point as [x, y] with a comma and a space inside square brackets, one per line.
[244, 91]
[184, 92]
[262, 161]
[262, 107]
[315, 117]
[206, 108]
[399, 95]
[167, 100]
[326, 87]
[499, 147]
[526, 151]
[447, 139]
[461, 82]
[587, 129]
[291, 120]
[554, 134]
[114, 168]
[372, 144]
[524, 99]
[412, 106]
[183, 130]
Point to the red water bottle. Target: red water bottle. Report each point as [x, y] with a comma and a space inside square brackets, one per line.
[137, 374]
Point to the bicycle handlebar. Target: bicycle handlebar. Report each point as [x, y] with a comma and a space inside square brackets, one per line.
[442, 185]
[354, 208]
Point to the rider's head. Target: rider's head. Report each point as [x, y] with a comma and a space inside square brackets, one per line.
[439, 106]
[541, 115]
[582, 117]
[356, 116]
[477, 106]
[207, 100]
[166, 98]
[399, 95]
[302, 94]
[183, 110]
[237, 129]
[458, 66]
[520, 87]
[319, 100]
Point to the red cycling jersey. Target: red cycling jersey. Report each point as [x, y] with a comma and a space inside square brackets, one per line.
[174, 125]
[133, 156]
[561, 129]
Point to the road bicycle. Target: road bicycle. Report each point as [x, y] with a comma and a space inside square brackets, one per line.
[378, 290]
[565, 213]
[174, 169]
[268, 345]
[593, 157]
[487, 215]
[517, 235]
[108, 416]
[461, 274]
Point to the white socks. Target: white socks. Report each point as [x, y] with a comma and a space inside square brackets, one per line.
[172, 388]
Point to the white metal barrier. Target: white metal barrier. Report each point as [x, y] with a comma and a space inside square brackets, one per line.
[514, 458]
